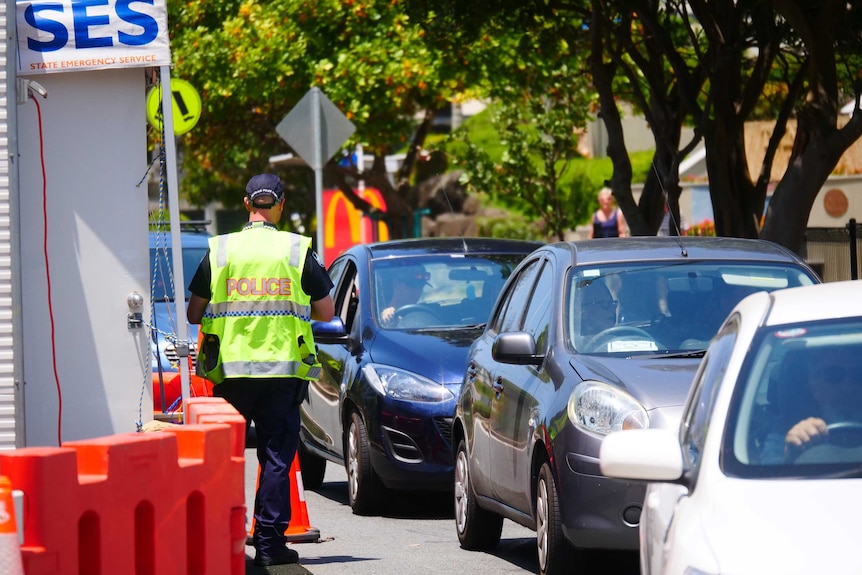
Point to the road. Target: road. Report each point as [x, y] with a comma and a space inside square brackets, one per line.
[415, 535]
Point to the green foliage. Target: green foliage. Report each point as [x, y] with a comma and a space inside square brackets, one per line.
[512, 226]
[498, 154]
[538, 136]
[253, 61]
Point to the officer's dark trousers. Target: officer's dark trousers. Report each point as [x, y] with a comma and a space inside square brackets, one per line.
[273, 406]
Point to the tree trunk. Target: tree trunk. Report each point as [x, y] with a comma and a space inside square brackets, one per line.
[819, 146]
[732, 193]
[603, 76]
[819, 143]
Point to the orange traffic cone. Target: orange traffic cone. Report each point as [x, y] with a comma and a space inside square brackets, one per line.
[10, 549]
[298, 530]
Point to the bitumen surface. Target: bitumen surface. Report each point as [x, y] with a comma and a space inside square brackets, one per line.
[296, 569]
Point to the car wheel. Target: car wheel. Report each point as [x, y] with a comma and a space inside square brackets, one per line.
[477, 528]
[312, 468]
[556, 555]
[364, 489]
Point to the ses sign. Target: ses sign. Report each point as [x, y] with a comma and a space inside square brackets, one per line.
[75, 35]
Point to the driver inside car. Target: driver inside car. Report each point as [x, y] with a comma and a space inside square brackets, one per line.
[836, 390]
[407, 285]
[598, 309]
[837, 397]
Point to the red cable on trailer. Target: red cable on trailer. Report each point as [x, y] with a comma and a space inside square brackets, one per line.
[48, 274]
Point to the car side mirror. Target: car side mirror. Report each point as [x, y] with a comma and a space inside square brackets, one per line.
[642, 455]
[516, 347]
[332, 331]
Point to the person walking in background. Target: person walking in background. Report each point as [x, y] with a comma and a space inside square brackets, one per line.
[608, 220]
[255, 293]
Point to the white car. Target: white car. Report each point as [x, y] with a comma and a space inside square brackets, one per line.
[765, 473]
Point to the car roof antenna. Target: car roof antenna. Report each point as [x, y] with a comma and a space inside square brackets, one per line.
[684, 252]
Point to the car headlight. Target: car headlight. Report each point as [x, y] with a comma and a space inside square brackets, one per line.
[601, 408]
[402, 384]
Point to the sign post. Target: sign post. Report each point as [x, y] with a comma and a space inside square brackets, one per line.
[316, 115]
[176, 239]
[317, 166]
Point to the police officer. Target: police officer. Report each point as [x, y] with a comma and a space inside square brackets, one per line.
[255, 294]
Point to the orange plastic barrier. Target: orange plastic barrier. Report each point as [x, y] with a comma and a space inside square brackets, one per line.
[162, 503]
[217, 410]
[299, 530]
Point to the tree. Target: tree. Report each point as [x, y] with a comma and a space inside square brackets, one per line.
[743, 59]
[712, 65]
[541, 103]
[253, 62]
[601, 62]
[539, 149]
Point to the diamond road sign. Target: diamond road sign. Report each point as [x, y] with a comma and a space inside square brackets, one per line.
[297, 128]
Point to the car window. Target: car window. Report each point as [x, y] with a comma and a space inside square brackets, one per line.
[665, 308]
[334, 272]
[696, 419]
[343, 274]
[438, 291]
[162, 269]
[796, 376]
[538, 318]
[512, 309]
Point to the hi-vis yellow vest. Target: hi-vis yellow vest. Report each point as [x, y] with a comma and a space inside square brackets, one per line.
[258, 322]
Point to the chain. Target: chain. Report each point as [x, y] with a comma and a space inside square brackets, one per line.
[170, 337]
[161, 255]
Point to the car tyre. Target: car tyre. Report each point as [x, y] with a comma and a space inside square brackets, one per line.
[312, 467]
[364, 490]
[478, 529]
[556, 555]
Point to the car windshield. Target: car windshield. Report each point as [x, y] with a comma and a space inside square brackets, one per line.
[798, 375]
[161, 268]
[437, 291]
[665, 308]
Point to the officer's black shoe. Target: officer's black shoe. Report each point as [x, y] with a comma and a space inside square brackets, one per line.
[288, 557]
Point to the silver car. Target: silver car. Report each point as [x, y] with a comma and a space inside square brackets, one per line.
[587, 338]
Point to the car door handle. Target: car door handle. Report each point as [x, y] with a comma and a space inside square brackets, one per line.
[498, 385]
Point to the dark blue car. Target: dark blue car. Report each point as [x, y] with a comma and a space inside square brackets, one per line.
[393, 361]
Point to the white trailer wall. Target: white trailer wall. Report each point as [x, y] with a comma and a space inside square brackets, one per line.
[9, 422]
[86, 374]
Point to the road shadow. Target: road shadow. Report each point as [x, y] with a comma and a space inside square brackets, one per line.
[604, 562]
[398, 504]
[251, 569]
[419, 505]
[521, 552]
[335, 491]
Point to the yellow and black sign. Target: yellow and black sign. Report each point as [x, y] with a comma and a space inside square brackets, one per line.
[186, 109]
